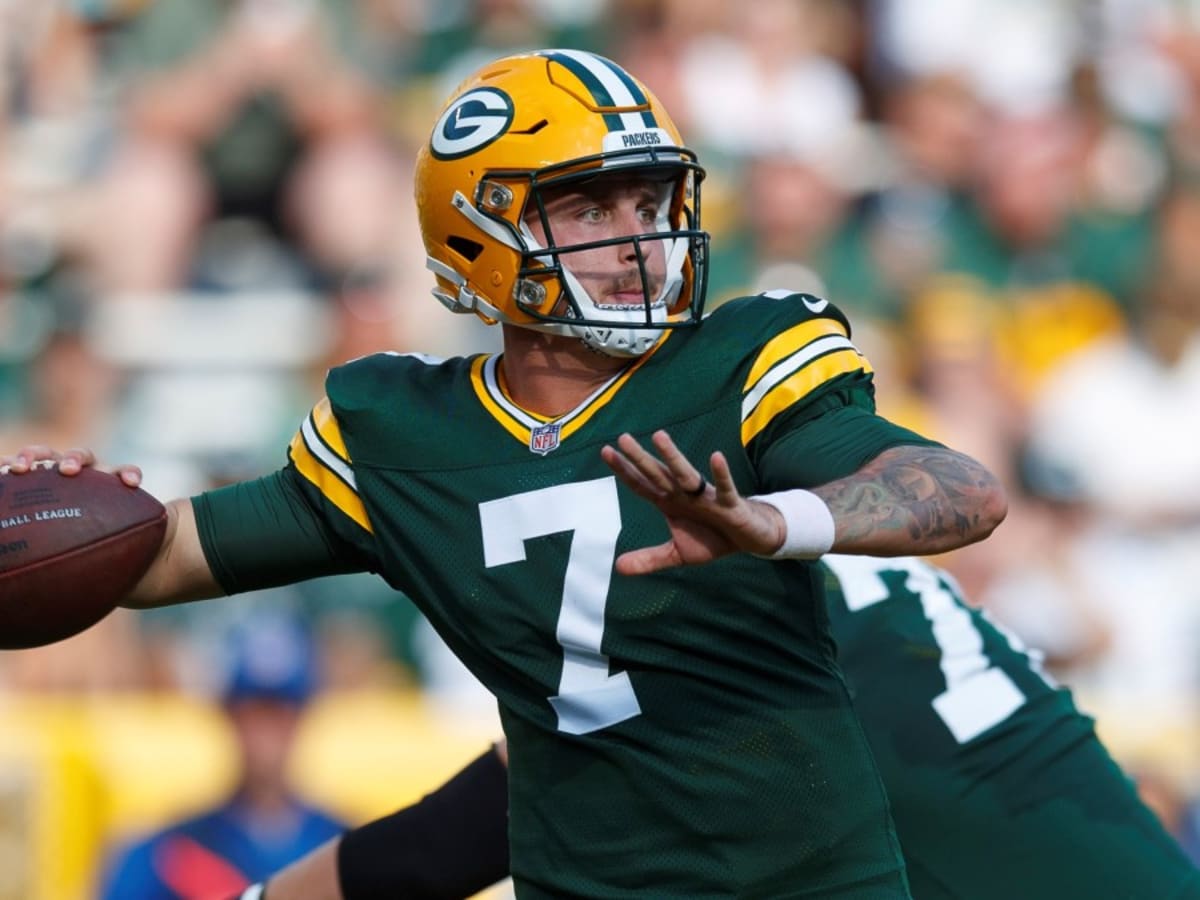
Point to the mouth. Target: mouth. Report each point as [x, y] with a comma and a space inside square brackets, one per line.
[624, 298]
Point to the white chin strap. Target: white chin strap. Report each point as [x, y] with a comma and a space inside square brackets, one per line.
[613, 340]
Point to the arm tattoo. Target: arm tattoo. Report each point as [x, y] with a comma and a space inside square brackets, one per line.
[914, 499]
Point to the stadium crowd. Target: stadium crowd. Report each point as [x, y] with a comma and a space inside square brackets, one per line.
[209, 202]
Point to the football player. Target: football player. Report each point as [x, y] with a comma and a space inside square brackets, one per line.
[999, 786]
[673, 731]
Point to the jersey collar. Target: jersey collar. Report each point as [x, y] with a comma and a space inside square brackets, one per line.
[541, 434]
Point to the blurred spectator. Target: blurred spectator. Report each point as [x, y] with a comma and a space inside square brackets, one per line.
[1117, 422]
[1029, 231]
[63, 393]
[1055, 275]
[460, 35]
[1117, 417]
[1016, 56]
[242, 112]
[1005, 165]
[50, 119]
[1147, 57]
[766, 98]
[263, 825]
[955, 365]
[790, 202]
[894, 237]
[763, 81]
[1036, 582]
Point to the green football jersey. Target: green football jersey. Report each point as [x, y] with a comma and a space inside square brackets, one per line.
[998, 784]
[680, 734]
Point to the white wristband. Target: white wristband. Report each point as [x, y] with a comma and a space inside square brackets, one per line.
[810, 529]
[254, 892]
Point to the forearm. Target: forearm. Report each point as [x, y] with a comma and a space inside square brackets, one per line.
[179, 572]
[312, 877]
[914, 500]
[245, 536]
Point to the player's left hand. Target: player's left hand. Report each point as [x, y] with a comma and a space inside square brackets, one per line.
[707, 520]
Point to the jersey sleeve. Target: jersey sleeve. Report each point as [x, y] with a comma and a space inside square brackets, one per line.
[268, 532]
[326, 474]
[809, 354]
[832, 445]
[808, 400]
[304, 521]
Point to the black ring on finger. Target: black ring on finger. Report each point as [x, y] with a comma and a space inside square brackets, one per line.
[699, 489]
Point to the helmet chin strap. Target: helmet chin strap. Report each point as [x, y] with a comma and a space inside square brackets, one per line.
[614, 340]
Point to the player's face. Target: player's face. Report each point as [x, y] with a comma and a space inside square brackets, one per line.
[604, 208]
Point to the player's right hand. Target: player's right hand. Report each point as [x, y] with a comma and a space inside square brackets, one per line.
[69, 462]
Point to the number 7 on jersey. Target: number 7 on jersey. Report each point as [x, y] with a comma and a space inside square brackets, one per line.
[589, 698]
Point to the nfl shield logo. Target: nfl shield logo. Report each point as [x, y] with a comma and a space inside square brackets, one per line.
[544, 438]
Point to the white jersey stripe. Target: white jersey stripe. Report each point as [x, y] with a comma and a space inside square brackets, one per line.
[331, 461]
[789, 366]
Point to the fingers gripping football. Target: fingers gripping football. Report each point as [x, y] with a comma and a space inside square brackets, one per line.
[69, 462]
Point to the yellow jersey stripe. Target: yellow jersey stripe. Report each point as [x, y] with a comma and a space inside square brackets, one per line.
[327, 428]
[799, 385]
[788, 342]
[784, 370]
[330, 475]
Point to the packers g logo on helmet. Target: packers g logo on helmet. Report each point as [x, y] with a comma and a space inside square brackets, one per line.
[471, 122]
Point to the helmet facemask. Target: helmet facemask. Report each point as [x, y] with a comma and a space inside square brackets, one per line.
[671, 257]
[661, 255]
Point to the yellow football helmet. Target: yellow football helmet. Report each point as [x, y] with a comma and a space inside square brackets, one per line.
[541, 120]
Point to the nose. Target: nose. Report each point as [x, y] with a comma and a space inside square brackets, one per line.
[631, 223]
[627, 252]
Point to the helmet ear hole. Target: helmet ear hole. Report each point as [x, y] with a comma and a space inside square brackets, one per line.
[464, 247]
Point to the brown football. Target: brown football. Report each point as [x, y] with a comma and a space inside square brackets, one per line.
[70, 548]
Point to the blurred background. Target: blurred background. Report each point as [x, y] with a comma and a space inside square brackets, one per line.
[206, 203]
